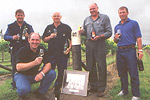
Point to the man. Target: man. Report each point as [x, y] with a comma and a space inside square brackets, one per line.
[127, 33]
[97, 29]
[56, 35]
[29, 59]
[14, 35]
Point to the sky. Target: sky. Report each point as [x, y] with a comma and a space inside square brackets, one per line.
[38, 13]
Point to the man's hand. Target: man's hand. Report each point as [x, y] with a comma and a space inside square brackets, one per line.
[38, 77]
[26, 35]
[38, 60]
[53, 35]
[15, 37]
[117, 36]
[140, 55]
[81, 31]
[96, 37]
[67, 51]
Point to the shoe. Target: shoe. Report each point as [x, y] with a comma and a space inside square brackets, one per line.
[121, 93]
[135, 98]
[100, 94]
[40, 96]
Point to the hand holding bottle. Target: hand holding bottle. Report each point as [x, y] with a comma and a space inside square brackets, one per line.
[16, 37]
[38, 60]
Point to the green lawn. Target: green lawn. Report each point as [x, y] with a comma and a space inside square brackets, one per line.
[7, 94]
[144, 83]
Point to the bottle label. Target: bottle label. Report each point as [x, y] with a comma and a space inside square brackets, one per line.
[93, 34]
[23, 37]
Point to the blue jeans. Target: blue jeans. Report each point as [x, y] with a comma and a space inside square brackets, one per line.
[127, 62]
[23, 82]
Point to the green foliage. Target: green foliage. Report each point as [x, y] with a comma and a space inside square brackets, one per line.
[147, 47]
[111, 47]
[4, 45]
[144, 77]
[44, 45]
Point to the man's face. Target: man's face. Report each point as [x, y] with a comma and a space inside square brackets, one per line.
[34, 41]
[93, 10]
[56, 17]
[123, 14]
[20, 17]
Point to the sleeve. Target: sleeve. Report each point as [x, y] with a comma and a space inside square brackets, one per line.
[31, 30]
[108, 28]
[7, 35]
[69, 32]
[20, 55]
[46, 57]
[137, 30]
[46, 33]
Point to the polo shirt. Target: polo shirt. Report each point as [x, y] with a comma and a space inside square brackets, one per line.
[56, 44]
[130, 31]
[26, 55]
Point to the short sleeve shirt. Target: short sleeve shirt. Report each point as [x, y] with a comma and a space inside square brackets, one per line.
[130, 31]
[26, 55]
[56, 45]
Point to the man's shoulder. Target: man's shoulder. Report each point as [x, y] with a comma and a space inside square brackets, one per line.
[12, 24]
[27, 24]
[64, 24]
[24, 48]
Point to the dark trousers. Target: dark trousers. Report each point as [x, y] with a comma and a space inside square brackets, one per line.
[13, 63]
[61, 62]
[127, 62]
[96, 64]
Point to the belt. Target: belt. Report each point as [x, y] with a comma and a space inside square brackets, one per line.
[126, 47]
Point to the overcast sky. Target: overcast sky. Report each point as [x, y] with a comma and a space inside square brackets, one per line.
[38, 12]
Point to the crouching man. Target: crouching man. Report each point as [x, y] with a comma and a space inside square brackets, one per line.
[29, 59]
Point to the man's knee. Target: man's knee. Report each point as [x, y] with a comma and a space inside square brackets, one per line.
[51, 74]
[23, 90]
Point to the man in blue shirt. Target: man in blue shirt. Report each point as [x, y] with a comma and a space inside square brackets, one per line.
[127, 34]
[15, 36]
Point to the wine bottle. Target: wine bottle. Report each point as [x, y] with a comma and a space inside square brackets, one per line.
[93, 34]
[140, 65]
[41, 53]
[65, 46]
[24, 32]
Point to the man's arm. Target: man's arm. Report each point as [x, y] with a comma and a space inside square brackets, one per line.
[139, 44]
[46, 68]
[26, 66]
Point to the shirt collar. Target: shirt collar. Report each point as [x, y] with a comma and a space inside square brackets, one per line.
[97, 17]
[58, 25]
[125, 21]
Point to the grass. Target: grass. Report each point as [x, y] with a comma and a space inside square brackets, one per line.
[144, 83]
[7, 94]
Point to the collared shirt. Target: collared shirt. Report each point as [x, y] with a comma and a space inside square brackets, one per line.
[101, 25]
[14, 29]
[130, 31]
[56, 44]
[26, 55]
